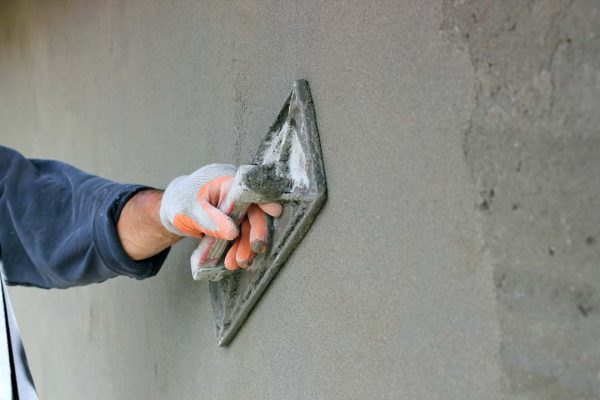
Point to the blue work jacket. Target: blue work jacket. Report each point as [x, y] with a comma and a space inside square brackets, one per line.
[58, 225]
[57, 230]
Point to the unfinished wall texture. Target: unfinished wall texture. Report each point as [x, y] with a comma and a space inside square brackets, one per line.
[533, 147]
[457, 255]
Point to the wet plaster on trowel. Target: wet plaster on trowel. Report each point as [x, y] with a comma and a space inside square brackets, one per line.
[533, 147]
[265, 180]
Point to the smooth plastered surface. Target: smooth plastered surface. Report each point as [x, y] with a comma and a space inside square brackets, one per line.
[398, 290]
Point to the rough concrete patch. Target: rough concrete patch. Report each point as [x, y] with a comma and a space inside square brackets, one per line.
[533, 146]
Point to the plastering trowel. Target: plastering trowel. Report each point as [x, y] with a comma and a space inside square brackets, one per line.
[288, 169]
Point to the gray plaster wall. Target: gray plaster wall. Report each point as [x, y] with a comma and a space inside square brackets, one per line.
[457, 255]
[533, 148]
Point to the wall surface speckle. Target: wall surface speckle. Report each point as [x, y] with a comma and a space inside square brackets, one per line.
[456, 256]
[533, 147]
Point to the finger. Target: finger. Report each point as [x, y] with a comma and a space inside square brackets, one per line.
[273, 209]
[244, 254]
[225, 186]
[187, 226]
[259, 233]
[230, 262]
[218, 224]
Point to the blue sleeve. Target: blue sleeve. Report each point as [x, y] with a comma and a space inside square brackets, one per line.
[58, 225]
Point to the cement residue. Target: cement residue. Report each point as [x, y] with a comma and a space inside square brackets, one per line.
[534, 147]
[266, 180]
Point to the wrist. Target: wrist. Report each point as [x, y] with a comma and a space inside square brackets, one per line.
[140, 229]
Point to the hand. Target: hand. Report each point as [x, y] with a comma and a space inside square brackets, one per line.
[190, 208]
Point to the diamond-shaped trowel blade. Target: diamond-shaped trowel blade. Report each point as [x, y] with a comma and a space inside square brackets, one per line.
[292, 147]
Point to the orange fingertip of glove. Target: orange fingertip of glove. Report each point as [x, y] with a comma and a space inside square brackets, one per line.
[273, 209]
[259, 234]
[226, 229]
[244, 254]
[230, 262]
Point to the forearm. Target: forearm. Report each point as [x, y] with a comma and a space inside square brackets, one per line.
[59, 225]
[139, 227]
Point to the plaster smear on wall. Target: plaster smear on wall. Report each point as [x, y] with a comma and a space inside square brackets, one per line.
[533, 146]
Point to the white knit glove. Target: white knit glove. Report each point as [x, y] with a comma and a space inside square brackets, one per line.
[190, 203]
[190, 208]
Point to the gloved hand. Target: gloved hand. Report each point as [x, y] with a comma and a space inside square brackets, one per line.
[190, 204]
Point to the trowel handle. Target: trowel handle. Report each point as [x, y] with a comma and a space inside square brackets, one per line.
[205, 259]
